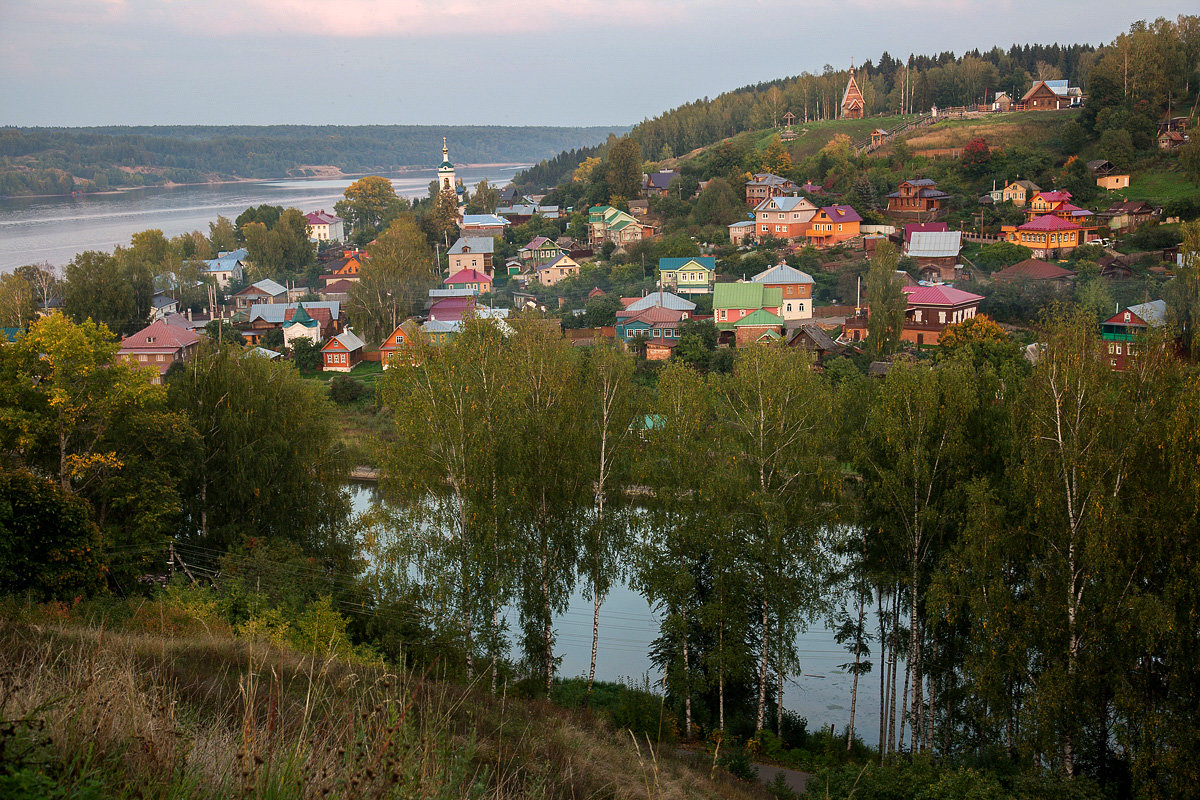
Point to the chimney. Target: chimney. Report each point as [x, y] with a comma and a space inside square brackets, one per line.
[189, 315]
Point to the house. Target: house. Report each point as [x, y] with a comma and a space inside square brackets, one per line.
[227, 267]
[739, 232]
[656, 184]
[540, 250]
[639, 207]
[324, 227]
[764, 185]
[438, 331]
[1051, 95]
[522, 213]
[1111, 182]
[688, 275]
[659, 299]
[660, 349]
[833, 224]
[878, 137]
[816, 341]
[473, 252]
[1100, 167]
[852, 99]
[930, 309]
[732, 301]
[1121, 331]
[784, 217]
[163, 305]
[936, 253]
[264, 291]
[299, 324]
[1018, 192]
[397, 347]
[342, 352]
[576, 250]
[559, 269]
[159, 345]
[481, 225]
[1129, 215]
[1002, 102]
[338, 290]
[796, 289]
[608, 224]
[472, 279]
[509, 196]
[916, 197]
[1035, 271]
[758, 327]
[1169, 140]
[262, 317]
[930, 227]
[655, 323]
[1047, 236]
[1056, 203]
[451, 309]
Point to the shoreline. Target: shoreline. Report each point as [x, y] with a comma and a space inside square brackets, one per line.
[331, 175]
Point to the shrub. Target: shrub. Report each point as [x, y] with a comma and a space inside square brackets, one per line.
[344, 389]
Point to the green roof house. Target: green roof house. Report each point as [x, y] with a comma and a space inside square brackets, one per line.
[733, 301]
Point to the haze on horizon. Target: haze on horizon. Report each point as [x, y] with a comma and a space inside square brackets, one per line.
[469, 62]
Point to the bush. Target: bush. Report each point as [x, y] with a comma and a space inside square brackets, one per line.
[344, 389]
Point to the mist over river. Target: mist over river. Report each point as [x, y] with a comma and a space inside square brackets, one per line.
[55, 229]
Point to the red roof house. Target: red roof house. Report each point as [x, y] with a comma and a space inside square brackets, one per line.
[159, 345]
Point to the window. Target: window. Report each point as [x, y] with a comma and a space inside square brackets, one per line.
[839, 227]
[160, 358]
[942, 317]
[789, 306]
[1118, 349]
[657, 333]
[1127, 316]
[1111, 349]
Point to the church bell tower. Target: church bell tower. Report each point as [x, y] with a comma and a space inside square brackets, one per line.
[445, 174]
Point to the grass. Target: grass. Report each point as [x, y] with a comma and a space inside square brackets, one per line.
[1157, 185]
[365, 371]
[1001, 130]
[90, 713]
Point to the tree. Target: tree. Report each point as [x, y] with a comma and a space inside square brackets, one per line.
[272, 339]
[886, 301]
[776, 159]
[368, 205]
[484, 200]
[44, 280]
[49, 545]
[608, 374]
[222, 236]
[623, 169]
[223, 332]
[718, 204]
[1183, 293]
[17, 304]
[976, 157]
[306, 354]
[253, 477]
[393, 282]
[443, 218]
[97, 289]
[1002, 254]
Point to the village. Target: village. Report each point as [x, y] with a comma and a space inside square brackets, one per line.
[777, 303]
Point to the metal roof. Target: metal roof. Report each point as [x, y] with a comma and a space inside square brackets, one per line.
[663, 299]
[935, 244]
[782, 273]
[477, 244]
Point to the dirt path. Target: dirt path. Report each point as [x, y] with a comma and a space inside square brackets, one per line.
[795, 779]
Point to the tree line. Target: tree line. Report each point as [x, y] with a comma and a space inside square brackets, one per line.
[1021, 532]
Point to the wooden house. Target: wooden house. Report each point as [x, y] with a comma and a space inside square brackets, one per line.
[764, 185]
[557, 270]
[833, 224]
[784, 217]
[1033, 270]
[732, 301]
[936, 253]
[796, 290]
[1052, 96]
[1120, 332]
[688, 275]
[919, 196]
[1018, 192]
[400, 344]
[342, 352]
[929, 310]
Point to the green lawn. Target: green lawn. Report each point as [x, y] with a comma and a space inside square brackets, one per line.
[367, 371]
[1157, 186]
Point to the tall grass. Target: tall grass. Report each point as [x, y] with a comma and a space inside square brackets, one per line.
[88, 712]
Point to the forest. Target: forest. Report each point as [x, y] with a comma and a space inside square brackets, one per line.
[62, 160]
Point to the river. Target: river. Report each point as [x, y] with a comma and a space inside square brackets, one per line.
[55, 229]
[628, 625]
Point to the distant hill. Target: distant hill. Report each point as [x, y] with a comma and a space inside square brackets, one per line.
[62, 160]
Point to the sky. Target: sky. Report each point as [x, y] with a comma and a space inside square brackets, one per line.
[473, 62]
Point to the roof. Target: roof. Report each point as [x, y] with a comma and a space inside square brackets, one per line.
[767, 179]
[321, 218]
[704, 262]
[301, 317]
[746, 295]
[661, 179]
[263, 352]
[267, 286]
[913, 227]
[538, 242]
[661, 299]
[782, 273]
[1032, 269]
[1027, 185]
[655, 316]
[558, 262]
[276, 313]
[819, 337]
[451, 308]
[340, 286]
[759, 317]
[477, 244]
[160, 336]
[453, 291]
[162, 301]
[225, 261]
[920, 182]
[785, 203]
[935, 244]
[842, 214]
[346, 339]
[482, 220]
[746, 224]
[1049, 222]
[468, 276]
[1060, 196]
[938, 296]
[1152, 313]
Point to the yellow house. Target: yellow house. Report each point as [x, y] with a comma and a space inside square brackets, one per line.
[1018, 192]
[1111, 182]
[559, 269]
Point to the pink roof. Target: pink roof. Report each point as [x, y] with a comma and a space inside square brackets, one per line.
[1055, 197]
[939, 296]
[930, 227]
[1049, 222]
[656, 315]
[321, 218]
[451, 309]
[468, 276]
[842, 214]
[159, 336]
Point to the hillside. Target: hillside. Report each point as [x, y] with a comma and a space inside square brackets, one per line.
[61, 160]
[99, 713]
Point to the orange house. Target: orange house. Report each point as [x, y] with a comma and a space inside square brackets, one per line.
[833, 224]
[399, 346]
[784, 217]
[1047, 236]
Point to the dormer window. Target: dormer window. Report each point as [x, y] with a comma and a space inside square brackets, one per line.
[1128, 317]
